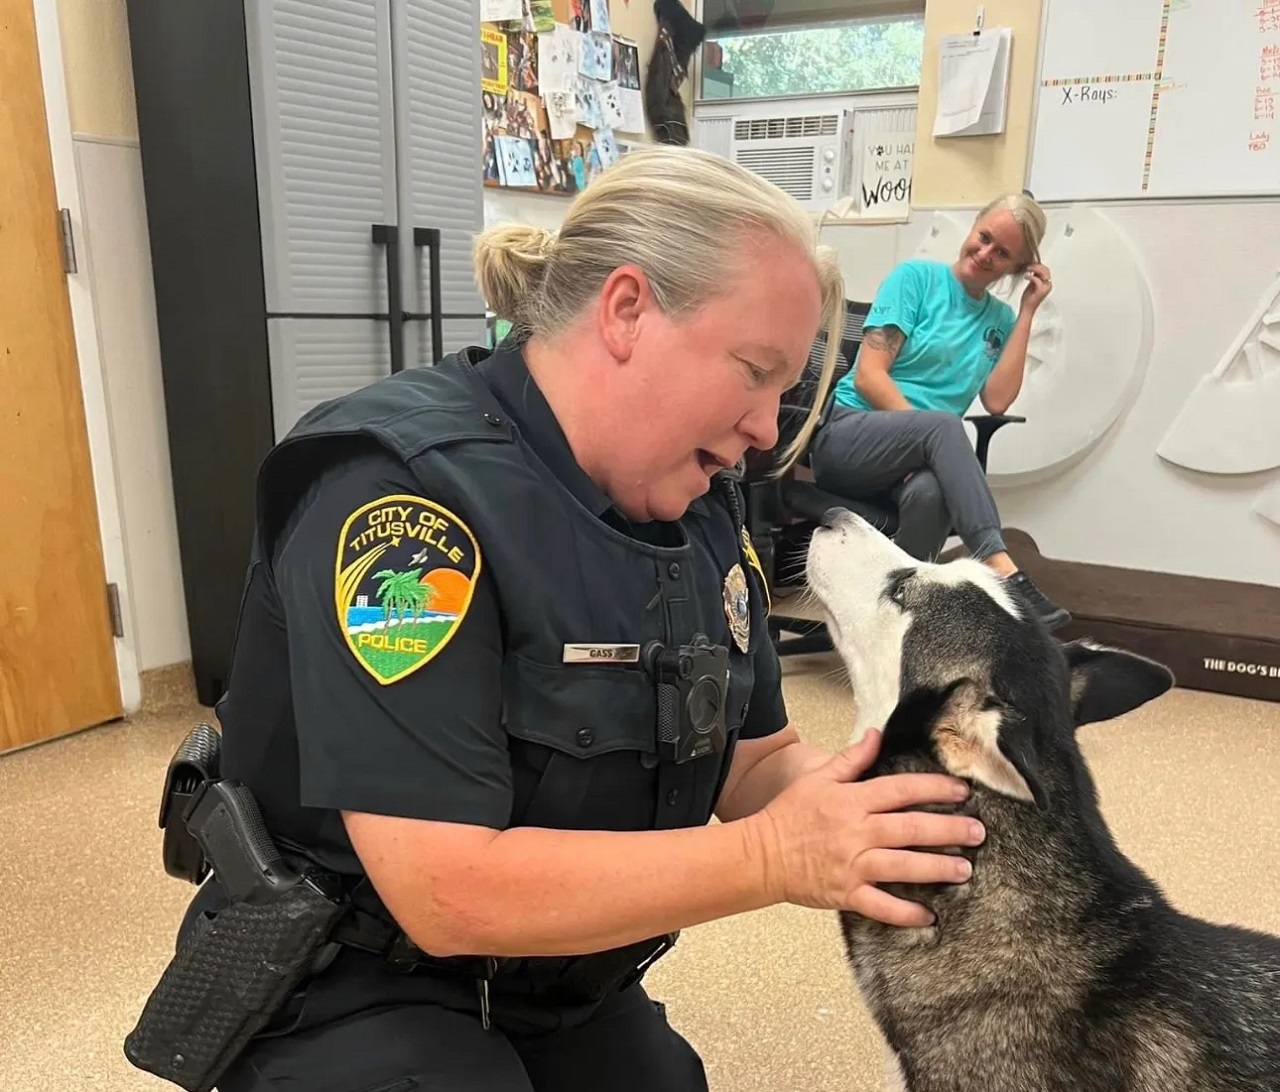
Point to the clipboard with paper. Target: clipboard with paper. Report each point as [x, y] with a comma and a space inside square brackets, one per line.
[973, 83]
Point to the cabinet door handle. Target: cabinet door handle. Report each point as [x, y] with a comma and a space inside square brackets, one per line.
[430, 238]
[388, 236]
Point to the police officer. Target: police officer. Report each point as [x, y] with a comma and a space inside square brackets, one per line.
[502, 655]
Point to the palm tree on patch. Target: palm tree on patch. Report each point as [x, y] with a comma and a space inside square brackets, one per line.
[403, 594]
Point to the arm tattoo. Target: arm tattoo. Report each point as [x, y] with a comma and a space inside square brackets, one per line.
[887, 339]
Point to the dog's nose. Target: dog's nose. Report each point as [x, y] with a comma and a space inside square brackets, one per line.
[834, 517]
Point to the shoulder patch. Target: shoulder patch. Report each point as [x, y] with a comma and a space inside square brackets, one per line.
[403, 581]
[753, 559]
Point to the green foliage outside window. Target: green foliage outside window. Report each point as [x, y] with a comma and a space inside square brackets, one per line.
[816, 60]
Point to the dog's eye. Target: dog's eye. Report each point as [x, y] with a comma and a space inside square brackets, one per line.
[896, 592]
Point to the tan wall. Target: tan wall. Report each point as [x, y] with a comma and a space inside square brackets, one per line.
[968, 171]
[95, 58]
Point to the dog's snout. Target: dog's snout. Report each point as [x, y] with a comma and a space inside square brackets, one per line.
[835, 518]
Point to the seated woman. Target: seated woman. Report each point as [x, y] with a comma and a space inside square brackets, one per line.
[934, 339]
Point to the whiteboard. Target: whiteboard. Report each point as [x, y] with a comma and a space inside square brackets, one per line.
[1158, 98]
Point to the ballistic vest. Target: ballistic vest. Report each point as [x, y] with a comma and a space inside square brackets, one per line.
[582, 730]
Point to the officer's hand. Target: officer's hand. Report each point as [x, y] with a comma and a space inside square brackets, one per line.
[829, 838]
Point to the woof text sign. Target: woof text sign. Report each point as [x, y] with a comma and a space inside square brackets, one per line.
[886, 174]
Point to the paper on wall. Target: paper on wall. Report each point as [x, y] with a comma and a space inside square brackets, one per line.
[493, 61]
[499, 11]
[626, 71]
[558, 59]
[600, 16]
[606, 147]
[539, 15]
[596, 58]
[562, 114]
[610, 106]
[632, 111]
[516, 160]
[973, 83]
[588, 102]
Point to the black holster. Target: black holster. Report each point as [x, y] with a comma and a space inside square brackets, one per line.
[233, 970]
[230, 975]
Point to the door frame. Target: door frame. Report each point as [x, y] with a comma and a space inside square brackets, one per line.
[85, 328]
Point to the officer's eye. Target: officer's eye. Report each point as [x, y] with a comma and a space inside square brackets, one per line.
[756, 374]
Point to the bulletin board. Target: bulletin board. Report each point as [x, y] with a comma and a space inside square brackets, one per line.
[561, 90]
[969, 171]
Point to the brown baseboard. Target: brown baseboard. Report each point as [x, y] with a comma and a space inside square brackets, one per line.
[1217, 635]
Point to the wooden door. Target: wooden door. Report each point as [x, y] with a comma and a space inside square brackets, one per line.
[57, 656]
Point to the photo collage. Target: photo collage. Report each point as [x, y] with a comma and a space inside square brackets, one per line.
[560, 93]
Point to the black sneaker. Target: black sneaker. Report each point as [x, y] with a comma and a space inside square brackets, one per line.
[1044, 608]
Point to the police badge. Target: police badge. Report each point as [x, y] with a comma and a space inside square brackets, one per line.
[737, 607]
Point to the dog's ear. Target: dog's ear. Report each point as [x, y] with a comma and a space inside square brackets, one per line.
[980, 738]
[1106, 682]
[908, 728]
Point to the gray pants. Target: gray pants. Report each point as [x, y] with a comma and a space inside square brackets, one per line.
[864, 454]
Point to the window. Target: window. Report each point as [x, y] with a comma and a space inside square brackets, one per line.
[763, 48]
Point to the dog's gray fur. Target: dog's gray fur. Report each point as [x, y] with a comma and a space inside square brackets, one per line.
[1060, 966]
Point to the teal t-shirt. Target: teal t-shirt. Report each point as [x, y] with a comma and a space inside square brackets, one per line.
[952, 340]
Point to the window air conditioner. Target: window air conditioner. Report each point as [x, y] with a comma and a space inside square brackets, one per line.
[810, 156]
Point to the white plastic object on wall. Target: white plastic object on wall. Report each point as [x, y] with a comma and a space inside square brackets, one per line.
[1230, 423]
[1268, 505]
[1089, 347]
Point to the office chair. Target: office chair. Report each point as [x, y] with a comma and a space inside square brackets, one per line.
[782, 511]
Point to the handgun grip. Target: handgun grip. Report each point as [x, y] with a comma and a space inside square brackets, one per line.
[228, 825]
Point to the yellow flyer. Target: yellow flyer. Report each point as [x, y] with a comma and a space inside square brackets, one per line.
[493, 60]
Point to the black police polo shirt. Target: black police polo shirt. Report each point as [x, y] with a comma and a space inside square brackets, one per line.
[421, 749]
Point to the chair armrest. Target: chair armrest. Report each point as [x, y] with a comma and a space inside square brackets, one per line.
[763, 522]
[764, 505]
[986, 425]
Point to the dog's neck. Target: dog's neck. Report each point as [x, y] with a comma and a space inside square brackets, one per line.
[874, 698]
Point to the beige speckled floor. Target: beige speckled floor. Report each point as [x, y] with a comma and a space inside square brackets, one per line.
[1190, 784]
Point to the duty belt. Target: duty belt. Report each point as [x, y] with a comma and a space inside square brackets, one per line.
[569, 978]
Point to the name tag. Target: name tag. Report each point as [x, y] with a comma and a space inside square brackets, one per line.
[591, 654]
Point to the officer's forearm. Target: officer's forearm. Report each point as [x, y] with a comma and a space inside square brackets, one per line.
[555, 893]
[747, 793]
[531, 891]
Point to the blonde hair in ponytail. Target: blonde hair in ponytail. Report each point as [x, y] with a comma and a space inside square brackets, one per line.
[510, 262]
[676, 212]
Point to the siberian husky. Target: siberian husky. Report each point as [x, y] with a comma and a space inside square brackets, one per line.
[1060, 966]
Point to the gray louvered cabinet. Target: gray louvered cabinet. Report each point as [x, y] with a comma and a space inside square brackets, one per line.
[437, 73]
[366, 129]
[315, 359]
